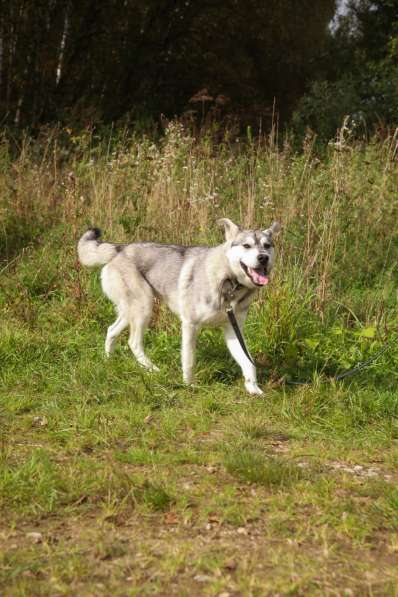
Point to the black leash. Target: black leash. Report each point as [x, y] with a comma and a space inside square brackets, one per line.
[238, 334]
[353, 371]
[229, 289]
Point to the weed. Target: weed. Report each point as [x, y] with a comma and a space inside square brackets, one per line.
[154, 496]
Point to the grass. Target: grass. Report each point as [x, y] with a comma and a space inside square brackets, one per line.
[251, 467]
[138, 485]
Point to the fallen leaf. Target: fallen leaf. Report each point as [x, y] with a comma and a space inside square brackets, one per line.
[231, 564]
[170, 518]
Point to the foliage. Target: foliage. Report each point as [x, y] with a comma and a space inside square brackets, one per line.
[216, 63]
[90, 61]
[361, 73]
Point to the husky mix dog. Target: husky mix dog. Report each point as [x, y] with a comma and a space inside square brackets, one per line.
[197, 283]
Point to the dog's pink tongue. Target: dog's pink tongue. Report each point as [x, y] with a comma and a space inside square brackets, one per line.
[257, 277]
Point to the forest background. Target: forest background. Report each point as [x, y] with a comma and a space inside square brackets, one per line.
[89, 62]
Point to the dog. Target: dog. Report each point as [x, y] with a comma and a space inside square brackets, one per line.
[198, 284]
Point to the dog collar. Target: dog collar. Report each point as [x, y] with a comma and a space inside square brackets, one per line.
[229, 288]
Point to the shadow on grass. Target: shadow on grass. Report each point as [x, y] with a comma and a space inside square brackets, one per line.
[17, 233]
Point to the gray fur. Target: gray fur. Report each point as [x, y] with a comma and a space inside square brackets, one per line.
[191, 280]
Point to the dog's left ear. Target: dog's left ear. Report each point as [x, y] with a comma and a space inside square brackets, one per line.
[273, 229]
[231, 229]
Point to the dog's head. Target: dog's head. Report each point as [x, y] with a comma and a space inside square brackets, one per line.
[250, 253]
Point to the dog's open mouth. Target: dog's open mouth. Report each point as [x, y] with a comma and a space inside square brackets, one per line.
[258, 275]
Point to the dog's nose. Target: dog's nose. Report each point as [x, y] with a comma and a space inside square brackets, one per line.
[263, 258]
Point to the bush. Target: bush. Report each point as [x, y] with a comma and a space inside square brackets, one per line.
[369, 99]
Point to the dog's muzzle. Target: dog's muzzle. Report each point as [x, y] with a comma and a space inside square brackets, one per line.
[258, 275]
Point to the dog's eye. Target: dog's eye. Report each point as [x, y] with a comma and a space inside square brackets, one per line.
[246, 246]
[267, 246]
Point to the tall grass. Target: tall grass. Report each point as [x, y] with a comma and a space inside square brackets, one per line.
[337, 254]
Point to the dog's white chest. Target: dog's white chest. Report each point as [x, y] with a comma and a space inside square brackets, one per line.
[206, 316]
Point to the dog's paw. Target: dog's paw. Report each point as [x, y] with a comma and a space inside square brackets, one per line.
[153, 368]
[150, 367]
[253, 388]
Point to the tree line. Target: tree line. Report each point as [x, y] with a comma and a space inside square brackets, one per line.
[90, 61]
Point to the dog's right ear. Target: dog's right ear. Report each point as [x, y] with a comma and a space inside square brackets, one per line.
[231, 229]
[273, 229]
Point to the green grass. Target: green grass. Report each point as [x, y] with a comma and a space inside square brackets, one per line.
[139, 485]
[251, 467]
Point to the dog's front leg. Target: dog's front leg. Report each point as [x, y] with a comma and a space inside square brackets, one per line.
[189, 333]
[248, 369]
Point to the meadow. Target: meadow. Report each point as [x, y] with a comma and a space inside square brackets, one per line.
[118, 481]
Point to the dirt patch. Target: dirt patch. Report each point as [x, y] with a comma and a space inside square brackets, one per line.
[171, 555]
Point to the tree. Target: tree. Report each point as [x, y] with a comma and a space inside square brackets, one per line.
[62, 59]
[360, 72]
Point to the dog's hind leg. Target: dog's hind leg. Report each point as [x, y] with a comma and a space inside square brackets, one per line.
[138, 326]
[114, 331]
[131, 293]
[140, 314]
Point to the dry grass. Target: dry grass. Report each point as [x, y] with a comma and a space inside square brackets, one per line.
[337, 212]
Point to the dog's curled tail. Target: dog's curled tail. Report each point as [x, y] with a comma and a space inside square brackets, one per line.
[92, 251]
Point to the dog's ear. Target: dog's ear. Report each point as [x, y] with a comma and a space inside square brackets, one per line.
[273, 229]
[231, 229]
